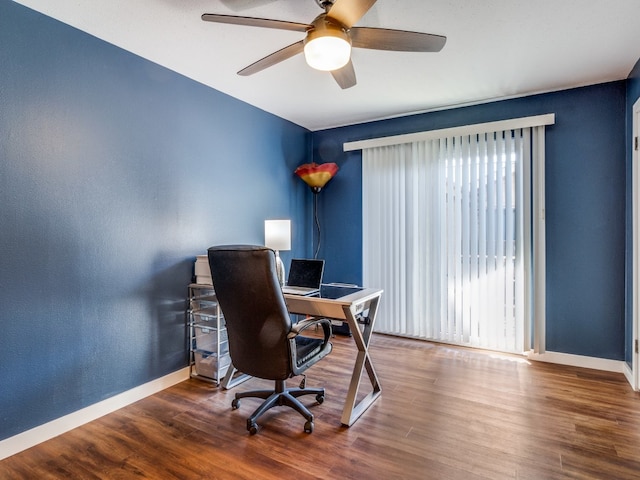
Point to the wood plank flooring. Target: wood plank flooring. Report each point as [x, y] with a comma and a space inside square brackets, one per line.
[444, 413]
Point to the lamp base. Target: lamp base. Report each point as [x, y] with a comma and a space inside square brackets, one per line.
[279, 269]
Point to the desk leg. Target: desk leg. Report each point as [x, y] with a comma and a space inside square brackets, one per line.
[362, 336]
[233, 378]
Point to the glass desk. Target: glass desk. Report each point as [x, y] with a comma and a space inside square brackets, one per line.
[358, 307]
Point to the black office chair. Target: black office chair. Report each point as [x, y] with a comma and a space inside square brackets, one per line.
[263, 342]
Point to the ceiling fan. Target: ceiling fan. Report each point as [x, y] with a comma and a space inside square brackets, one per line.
[330, 36]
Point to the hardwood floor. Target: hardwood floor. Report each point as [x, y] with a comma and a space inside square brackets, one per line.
[444, 413]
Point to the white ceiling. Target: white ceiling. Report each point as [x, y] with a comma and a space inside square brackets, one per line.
[495, 49]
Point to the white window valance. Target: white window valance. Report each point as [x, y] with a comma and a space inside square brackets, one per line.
[478, 128]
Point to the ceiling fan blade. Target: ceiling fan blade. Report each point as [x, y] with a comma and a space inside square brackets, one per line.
[396, 40]
[270, 60]
[345, 76]
[256, 22]
[348, 12]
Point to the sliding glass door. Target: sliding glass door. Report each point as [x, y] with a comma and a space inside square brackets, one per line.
[446, 236]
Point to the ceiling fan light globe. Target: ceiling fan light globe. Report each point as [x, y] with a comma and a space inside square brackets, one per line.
[327, 52]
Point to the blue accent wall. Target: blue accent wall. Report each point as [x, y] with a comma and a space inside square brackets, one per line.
[585, 207]
[633, 93]
[114, 174]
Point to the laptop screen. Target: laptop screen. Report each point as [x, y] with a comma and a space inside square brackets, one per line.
[305, 273]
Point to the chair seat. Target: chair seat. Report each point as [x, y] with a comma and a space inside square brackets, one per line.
[306, 348]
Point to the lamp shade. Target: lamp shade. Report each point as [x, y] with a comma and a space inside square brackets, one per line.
[327, 53]
[316, 176]
[277, 234]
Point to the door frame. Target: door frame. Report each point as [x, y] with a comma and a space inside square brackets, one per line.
[635, 221]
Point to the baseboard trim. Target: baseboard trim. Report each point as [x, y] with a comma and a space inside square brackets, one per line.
[42, 433]
[578, 361]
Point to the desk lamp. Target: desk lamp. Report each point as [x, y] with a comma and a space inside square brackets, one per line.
[277, 236]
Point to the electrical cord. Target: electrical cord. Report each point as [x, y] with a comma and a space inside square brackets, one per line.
[315, 215]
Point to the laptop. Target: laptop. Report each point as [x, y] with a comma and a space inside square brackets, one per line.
[305, 277]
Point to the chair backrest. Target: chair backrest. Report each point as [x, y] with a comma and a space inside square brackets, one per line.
[246, 284]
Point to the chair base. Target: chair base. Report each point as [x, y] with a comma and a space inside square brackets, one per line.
[280, 396]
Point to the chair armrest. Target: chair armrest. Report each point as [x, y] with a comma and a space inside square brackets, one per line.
[302, 325]
[323, 349]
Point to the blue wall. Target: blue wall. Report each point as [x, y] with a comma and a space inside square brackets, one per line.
[114, 174]
[585, 207]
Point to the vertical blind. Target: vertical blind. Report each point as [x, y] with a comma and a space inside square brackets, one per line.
[444, 235]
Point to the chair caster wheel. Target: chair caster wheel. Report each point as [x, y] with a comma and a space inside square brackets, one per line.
[235, 404]
[252, 427]
[320, 398]
[308, 427]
